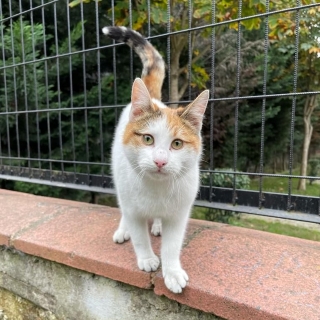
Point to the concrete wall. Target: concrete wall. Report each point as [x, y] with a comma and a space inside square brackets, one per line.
[34, 288]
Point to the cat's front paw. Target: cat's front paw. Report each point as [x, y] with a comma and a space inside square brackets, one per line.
[175, 279]
[150, 264]
[121, 236]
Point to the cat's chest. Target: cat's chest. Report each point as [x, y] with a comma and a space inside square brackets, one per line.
[157, 192]
[154, 197]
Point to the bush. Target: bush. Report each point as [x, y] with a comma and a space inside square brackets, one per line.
[226, 180]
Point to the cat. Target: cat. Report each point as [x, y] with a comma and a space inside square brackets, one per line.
[155, 164]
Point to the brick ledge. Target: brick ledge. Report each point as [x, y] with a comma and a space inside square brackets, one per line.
[235, 273]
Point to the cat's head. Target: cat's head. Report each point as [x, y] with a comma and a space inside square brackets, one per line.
[161, 142]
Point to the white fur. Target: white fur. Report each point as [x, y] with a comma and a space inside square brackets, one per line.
[145, 194]
[105, 30]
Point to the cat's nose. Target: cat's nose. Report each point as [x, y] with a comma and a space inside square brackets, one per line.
[160, 158]
[160, 163]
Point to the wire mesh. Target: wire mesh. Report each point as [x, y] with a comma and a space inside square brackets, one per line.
[63, 86]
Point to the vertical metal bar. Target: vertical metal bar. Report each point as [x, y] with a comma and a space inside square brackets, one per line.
[58, 81]
[263, 111]
[35, 80]
[213, 49]
[2, 26]
[236, 114]
[294, 102]
[85, 102]
[169, 48]
[71, 92]
[190, 49]
[99, 88]
[149, 18]
[114, 65]
[14, 84]
[47, 86]
[131, 50]
[25, 86]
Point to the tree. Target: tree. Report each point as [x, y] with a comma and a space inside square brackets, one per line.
[283, 36]
[22, 86]
[182, 17]
[193, 67]
[30, 82]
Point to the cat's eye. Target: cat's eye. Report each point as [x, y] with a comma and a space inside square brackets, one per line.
[148, 139]
[177, 144]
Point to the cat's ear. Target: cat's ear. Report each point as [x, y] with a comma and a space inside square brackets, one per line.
[194, 112]
[140, 99]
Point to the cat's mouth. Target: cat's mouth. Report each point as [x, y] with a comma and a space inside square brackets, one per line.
[158, 174]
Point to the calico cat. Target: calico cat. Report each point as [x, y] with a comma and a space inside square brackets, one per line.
[155, 163]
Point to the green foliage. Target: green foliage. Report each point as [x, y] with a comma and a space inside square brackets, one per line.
[222, 216]
[30, 82]
[74, 3]
[216, 215]
[23, 85]
[226, 180]
[49, 191]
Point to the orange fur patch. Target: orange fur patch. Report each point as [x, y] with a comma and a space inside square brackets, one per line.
[181, 129]
[153, 71]
[154, 84]
[132, 133]
[178, 127]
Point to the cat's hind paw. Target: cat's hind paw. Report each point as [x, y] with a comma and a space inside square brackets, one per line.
[175, 279]
[150, 264]
[156, 228]
[121, 236]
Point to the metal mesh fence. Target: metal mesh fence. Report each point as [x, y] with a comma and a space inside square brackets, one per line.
[63, 85]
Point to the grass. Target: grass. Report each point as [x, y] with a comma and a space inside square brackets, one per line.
[257, 224]
[277, 227]
[281, 185]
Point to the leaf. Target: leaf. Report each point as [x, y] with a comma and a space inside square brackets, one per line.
[251, 23]
[74, 3]
[201, 12]
[199, 76]
[283, 50]
[158, 15]
[306, 46]
[314, 50]
[77, 2]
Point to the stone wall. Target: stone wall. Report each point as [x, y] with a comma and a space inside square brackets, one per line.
[34, 288]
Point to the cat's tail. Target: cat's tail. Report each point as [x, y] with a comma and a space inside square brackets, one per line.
[153, 71]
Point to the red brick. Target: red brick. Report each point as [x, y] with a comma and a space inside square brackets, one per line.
[238, 273]
[20, 211]
[82, 238]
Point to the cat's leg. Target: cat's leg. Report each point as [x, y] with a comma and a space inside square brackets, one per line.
[156, 228]
[138, 228]
[175, 277]
[122, 234]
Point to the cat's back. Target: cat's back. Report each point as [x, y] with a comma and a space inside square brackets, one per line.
[117, 146]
